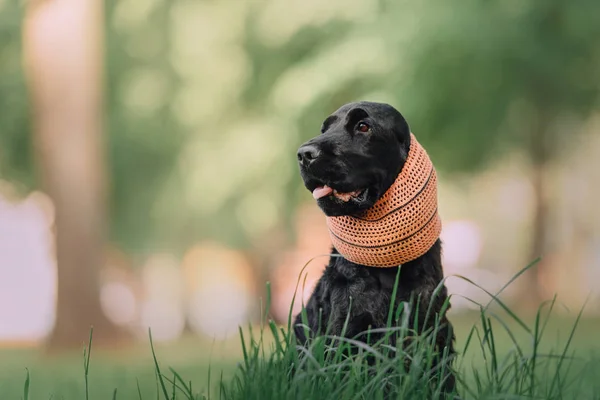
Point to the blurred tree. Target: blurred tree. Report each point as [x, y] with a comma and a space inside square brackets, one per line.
[272, 75]
[166, 93]
[15, 156]
[495, 75]
[66, 101]
[145, 137]
[207, 102]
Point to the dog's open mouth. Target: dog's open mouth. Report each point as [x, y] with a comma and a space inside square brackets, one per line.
[324, 191]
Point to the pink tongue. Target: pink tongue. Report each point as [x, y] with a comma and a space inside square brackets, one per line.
[322, 191]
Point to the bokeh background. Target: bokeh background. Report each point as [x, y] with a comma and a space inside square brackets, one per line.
[148, 175]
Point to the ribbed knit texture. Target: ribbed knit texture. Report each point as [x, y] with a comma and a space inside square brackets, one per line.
[401, 226]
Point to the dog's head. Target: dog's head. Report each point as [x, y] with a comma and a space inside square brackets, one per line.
[356, 158]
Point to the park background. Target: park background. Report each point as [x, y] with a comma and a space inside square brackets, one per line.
[148, 176]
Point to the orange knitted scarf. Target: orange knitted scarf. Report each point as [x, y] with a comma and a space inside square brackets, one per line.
[401, 226]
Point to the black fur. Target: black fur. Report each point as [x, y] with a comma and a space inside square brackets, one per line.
[347, 159]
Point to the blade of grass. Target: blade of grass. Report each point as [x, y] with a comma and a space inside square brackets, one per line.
[536, 344]
[209, 382]
[86, 363]
[551, 304]
[188, 390]
[157, 385]
[510, 334]
[514, 278]
[174, 387]
[569, 340]
[138, 388]
[244, 349]
[499, 302]
[298, 284]
[26, 386]
[393, 299]
[221, 387]
[157, 367]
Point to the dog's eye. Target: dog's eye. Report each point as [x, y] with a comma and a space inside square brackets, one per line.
[362, 127]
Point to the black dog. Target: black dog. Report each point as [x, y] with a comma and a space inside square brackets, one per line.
[359, 154]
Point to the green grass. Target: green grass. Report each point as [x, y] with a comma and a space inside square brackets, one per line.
[501, 356]
[63, 377]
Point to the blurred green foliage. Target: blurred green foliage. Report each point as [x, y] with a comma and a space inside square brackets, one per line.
[503, 75]
[15, 151]
[207, 101]
[144, 137]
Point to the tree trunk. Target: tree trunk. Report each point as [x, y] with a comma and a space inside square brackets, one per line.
[539, 154]
[62, 42]
[532, 291]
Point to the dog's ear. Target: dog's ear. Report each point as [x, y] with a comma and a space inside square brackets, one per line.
[394, 122]
[401, 130]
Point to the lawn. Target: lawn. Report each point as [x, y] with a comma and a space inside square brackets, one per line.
[63, 377]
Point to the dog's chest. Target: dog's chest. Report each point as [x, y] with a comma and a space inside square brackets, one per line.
[358, 290]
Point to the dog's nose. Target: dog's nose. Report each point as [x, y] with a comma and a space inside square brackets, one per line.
[307, 154]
